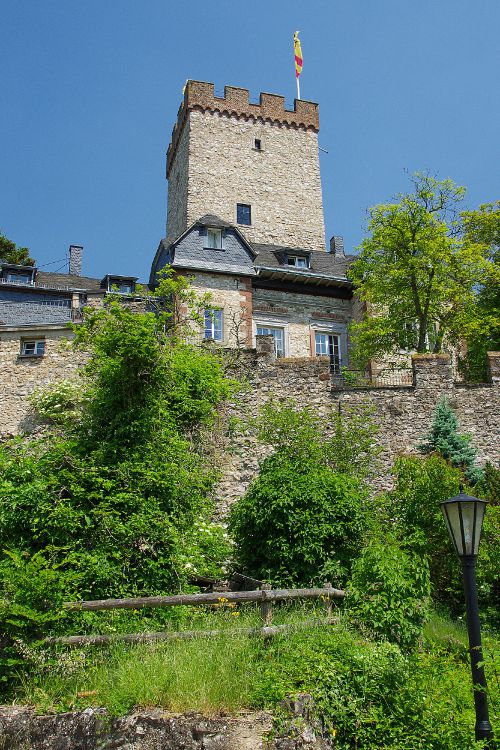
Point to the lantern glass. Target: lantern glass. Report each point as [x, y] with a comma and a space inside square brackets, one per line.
[464, 518]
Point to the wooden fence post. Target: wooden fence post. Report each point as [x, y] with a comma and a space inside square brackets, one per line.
[266, 607]
[328, 599]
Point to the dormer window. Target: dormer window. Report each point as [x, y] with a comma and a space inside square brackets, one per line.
[18, 274]
[119, 284]
[214, 238]
[126, 287]
[299, 261]
[18, 278]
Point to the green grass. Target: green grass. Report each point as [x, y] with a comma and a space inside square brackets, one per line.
[371, 695]
[202, 674]
[441, 630]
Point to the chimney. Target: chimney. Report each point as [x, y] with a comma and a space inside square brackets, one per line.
[337, 246]
[75, 260]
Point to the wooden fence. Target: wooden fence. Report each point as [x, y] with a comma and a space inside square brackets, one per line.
[265, 596]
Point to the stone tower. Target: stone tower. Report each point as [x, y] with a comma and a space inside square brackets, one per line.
[257, 163]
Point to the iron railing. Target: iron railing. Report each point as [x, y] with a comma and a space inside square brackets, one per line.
[383, 378]
[37, 285]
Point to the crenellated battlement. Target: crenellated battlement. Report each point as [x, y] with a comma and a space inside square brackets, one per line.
[200, 95]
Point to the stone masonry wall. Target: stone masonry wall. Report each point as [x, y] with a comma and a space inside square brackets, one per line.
[153, 729]
[178, 188]
[300, 315]
[213, 165]
[234, 295]
[281, 182]
[19, 376]
[403, 414]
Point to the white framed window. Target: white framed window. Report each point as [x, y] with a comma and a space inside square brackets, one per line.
[33, 348]
[126, 288]
[19, 278]
[299, 261]
[213, 325]
[214, 238]
[328, 345]
[278, 335]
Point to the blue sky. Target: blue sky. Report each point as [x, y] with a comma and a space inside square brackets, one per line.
[90, 90]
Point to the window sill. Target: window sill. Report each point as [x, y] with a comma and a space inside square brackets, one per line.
[31, 356]
[220, 249]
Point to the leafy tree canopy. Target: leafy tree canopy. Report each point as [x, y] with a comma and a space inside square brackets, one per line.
[483, 225]
[419, 271]
[115, 498]
[302, 520]
[11, 253]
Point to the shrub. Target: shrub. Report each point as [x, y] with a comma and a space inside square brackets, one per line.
[115, 498]
[421, 485]
[302, 519]
[370, 696]
[388, 593]
[445, 439]
[299, 522]
[488, 487]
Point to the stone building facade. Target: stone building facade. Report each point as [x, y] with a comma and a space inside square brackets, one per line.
[36, 308]
[245, 223]
[226, 151]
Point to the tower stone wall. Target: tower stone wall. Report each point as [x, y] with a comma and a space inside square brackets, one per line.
[213, 164]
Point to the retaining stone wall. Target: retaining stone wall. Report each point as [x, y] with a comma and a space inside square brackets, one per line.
[403, 414]
[154, 729]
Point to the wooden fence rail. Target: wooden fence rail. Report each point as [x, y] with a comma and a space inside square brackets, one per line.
[105, 640]
[265, 596]
[215, 597]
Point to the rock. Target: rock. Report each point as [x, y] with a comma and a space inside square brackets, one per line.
[94, 729]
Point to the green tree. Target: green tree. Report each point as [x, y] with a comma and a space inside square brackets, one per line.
[414, 512]
[11, 253]
[445, 439]
[418, 273]
[483, 226]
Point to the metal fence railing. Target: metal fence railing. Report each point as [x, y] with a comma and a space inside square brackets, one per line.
[383, 378]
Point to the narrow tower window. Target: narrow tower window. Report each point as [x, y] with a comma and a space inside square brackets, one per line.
[243, 214]
[258, 144]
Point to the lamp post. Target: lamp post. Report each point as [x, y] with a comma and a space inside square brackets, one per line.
[464, 518]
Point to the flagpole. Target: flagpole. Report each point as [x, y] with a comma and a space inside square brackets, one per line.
[297, 53]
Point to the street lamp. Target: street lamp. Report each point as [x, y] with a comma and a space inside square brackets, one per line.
[464, 518]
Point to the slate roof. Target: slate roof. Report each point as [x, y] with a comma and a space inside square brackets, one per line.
[212, 263]
[34, 313]
[319, 260]
[210, 220]
[65, 280]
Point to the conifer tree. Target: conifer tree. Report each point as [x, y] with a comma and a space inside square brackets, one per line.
[444, 438]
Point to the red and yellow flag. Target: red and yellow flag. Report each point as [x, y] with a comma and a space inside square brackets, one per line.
[298, 54]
